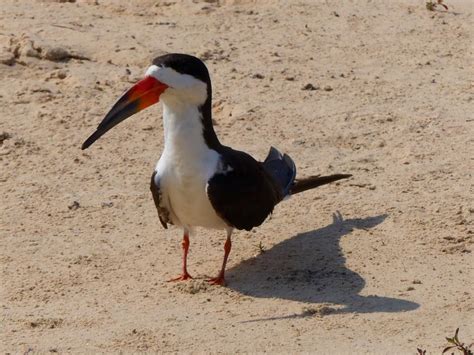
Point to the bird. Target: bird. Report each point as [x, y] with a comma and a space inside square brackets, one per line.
[198, 181]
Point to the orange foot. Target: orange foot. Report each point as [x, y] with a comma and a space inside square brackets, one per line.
[182, 277]
[219, 280]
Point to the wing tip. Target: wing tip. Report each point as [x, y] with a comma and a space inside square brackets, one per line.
[273, 154]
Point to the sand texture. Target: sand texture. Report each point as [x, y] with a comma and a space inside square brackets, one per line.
[380, 263]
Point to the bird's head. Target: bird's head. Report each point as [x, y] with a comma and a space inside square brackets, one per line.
[175, 79]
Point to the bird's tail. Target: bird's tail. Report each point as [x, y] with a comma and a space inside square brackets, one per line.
[312, 182]
[282, 168]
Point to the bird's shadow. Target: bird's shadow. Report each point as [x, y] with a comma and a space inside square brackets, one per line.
[310, 267]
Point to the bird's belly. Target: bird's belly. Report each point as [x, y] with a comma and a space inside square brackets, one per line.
[188, 199]
[192, 207]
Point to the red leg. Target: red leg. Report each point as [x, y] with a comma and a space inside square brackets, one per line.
[185, 245]
[220, 278]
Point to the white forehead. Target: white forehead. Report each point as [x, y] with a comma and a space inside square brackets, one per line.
[172, 78]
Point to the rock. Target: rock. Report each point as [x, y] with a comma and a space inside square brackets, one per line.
[328, 88]
[27, 47]
[7, 58]
[56, 54]
[27, 50]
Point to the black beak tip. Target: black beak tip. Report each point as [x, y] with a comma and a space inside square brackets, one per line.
[89, 141]
[86, 144]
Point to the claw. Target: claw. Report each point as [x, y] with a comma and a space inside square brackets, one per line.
[182, 277]
[219, 280]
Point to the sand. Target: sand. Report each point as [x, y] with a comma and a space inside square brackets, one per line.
[380, 263]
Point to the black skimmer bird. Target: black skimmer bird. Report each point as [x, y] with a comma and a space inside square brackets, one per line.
[198, 182]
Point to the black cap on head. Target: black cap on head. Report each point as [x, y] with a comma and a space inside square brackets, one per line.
[184, 64]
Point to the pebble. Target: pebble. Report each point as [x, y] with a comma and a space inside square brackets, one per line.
[328, 88]
[4, 136]
[310, 87]
[61, 74]
[88, 2]
[74, 206]
[299, 142]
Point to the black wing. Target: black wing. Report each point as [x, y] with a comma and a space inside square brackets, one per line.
[244, 193]
[163, 213]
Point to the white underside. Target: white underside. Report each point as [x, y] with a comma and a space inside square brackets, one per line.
[185, 167]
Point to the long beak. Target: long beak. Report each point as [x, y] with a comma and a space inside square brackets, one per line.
[143, 94]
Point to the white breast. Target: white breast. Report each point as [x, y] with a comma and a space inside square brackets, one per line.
[185, 167]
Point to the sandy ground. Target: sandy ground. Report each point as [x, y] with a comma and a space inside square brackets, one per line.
[381, 263]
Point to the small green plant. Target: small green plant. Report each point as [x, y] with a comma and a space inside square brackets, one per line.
[455, 343]
[261, 248]
[431, 5]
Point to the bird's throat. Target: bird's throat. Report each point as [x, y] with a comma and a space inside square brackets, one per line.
[188, 128]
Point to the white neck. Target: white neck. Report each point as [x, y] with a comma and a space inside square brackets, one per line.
[183, 131]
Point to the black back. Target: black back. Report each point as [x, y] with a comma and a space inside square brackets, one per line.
[245, 194]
